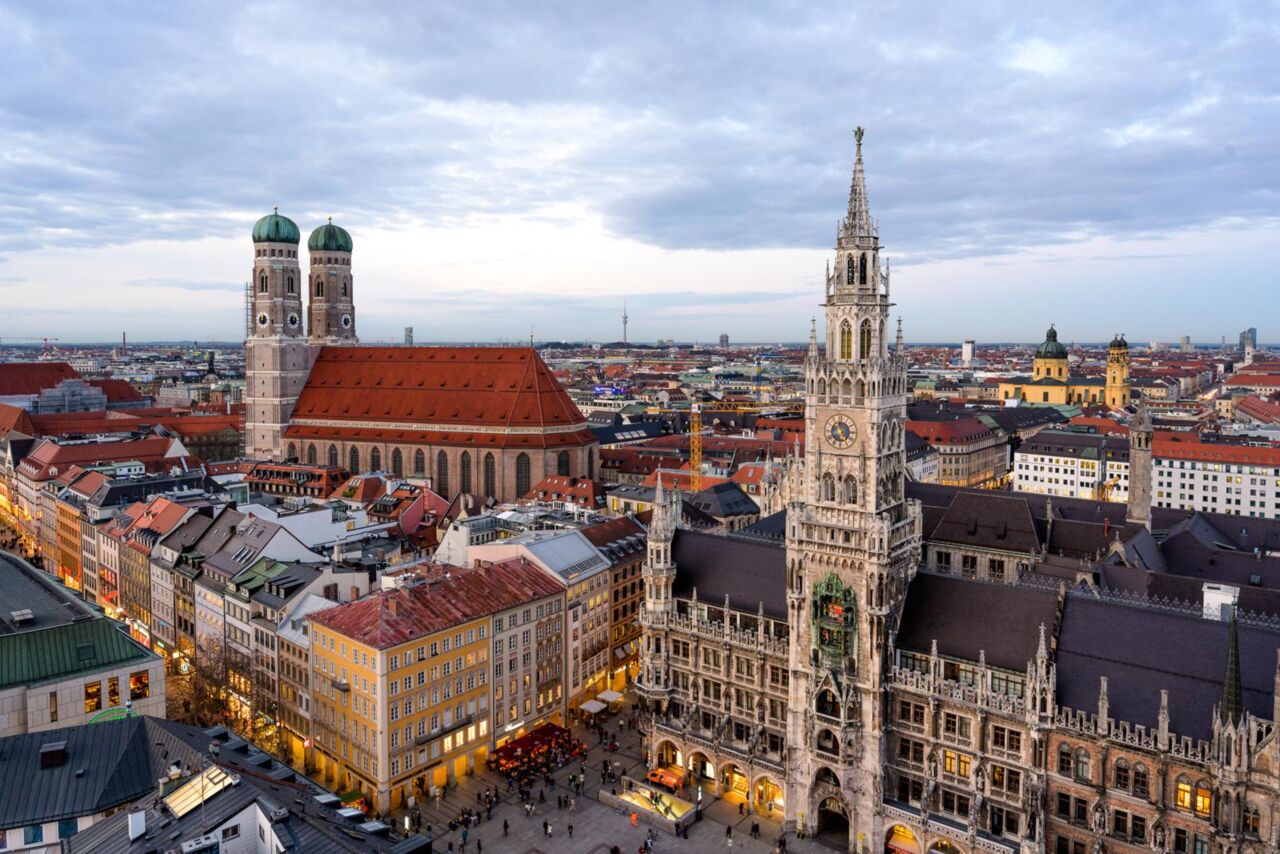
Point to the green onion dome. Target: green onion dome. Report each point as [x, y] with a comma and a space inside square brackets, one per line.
[1051, 349]
[274, 228]
[329, 238]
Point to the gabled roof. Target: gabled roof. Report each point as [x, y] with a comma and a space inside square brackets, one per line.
[957, 612]
[33, 377]
[436, 395]
[387, 618]
[752, 573]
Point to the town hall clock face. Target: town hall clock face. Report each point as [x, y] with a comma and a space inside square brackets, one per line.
[840, 431]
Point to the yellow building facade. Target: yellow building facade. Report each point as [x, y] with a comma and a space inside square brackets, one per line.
[1051, 381]
[401, 687]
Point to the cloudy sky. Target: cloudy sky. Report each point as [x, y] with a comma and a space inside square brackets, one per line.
[508, 166]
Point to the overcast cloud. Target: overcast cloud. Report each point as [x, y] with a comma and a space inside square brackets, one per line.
[669, 144]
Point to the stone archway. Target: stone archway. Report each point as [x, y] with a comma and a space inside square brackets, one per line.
[942, 845]
[668, 755]
[700, 768]
[831, 822]
[734, 784]
[900, 839]
[767, 797]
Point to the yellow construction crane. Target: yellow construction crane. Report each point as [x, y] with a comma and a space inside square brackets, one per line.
[695, 429]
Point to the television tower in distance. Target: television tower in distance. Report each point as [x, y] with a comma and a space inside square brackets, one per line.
[624, 323]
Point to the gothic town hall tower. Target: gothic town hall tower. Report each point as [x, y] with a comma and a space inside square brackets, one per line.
[852, 541]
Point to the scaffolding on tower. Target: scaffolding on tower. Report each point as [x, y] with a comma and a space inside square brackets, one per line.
[248, 309]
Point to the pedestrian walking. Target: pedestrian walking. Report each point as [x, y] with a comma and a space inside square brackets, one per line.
[505, 827]
[571, 831]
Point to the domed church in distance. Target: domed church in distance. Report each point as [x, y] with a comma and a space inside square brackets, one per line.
[1051, 380]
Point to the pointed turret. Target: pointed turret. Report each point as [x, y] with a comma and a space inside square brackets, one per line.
[1232, 706]
[857, 221]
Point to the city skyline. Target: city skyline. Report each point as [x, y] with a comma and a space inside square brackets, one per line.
[1020, 172]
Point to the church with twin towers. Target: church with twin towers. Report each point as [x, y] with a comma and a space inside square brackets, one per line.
[486, 423]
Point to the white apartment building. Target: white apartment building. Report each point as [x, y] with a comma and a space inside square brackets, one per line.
[1073, 465]
[1192, 474]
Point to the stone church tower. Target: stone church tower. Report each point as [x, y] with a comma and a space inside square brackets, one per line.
[277, 359]
[852, 542]
[332, 315]
[1117, 387]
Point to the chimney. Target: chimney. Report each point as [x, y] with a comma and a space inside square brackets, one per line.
[53, 755]
[137, 825]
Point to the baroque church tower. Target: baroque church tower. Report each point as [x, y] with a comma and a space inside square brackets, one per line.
[852, 540]
[277, 359]
[332, 315]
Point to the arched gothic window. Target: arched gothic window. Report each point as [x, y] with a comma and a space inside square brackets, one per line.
[822, 388]
[375, 460]
[442, 474]
[522, 475]
[1082, 765]
[319, 286]
[290, 285]
[850, 489]
[862, 269]
[846, 340]
[353, 461]
[1064, 759]
[849, 274]
[591, 465]
[262, 284]
[345, 284]
[397, 463]
[293, 451]
[311, 455]
[333, 455]
[1141, 782]
[562, 463]
[828, 487]
[419, 462]
[464, 472]
[1120, 779]
[864, 340]
[490, 476]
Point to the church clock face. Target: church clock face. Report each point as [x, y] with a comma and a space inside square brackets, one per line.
[263, 320]
[346, 321]
[293, 320]
[840, 431]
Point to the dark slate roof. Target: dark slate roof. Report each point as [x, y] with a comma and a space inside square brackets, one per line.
[308, 827]
[108, 764]
[1143, 650]
[751, 572]
[991, 520]
[771, 527]
[958, 614]
[724, 500]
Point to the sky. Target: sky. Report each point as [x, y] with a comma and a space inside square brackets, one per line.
[516, 169]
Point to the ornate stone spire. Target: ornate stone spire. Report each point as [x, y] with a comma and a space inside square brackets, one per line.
[857, 222]
[1232, 707]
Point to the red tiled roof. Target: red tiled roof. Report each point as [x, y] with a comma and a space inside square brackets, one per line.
[1104, 426]
[118, 391]
[949, 432]
[610, 531]
[1260, 410]
[1252, 380]
[48, 455]
[33, 377]
[390, 617]
[12, 418]
[433, 395]
[581, 490]
[1188, 446]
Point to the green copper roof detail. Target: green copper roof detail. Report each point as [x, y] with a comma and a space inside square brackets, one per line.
[274, 228]
[1051, 349]
[329, 238]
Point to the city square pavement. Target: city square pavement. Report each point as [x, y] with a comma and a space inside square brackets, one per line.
[596, 827]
